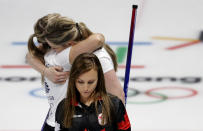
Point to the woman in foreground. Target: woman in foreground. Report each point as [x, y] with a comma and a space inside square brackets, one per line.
[88, 106]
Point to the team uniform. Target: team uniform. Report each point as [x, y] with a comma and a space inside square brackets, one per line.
[56, 92]
[105, 60]
[86, 118]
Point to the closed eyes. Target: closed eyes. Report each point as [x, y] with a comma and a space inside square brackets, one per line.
[82, 82]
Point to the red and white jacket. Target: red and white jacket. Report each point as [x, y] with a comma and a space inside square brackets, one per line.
[85, 118]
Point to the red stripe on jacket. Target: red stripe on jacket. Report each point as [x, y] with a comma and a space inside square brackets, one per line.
[103, 129]
[125, 124]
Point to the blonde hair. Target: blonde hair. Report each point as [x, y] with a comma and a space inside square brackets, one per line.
[59, 30]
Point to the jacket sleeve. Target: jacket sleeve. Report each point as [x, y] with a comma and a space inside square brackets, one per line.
[59, 116]
[123, 122]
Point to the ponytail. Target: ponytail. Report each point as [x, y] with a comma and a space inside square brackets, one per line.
[83, 31]
[34, 50]
[31, 45]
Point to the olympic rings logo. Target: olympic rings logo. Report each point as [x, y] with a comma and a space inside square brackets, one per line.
[158, 95]
[150, 96]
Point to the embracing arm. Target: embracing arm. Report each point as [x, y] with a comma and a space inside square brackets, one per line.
[90, 44]
[35, 63]
[54, 74]
[113, 85]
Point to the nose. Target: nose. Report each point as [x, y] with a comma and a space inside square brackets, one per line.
[86, 87]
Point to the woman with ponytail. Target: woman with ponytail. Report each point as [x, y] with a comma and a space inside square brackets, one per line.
[59, 41]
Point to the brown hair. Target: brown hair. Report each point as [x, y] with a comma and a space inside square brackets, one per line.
[84, 63]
